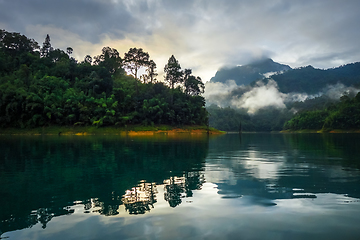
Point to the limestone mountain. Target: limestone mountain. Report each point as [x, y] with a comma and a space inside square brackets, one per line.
[244, 75]
[311, 80]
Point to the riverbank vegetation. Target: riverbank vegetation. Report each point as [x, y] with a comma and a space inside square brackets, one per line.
[43, 86]
[137, 129]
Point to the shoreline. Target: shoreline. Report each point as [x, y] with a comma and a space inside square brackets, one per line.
[134, 130]
[323, 131]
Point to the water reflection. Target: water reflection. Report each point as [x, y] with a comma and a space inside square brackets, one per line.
[42, 178]
[269, 167]
[139, 199]
[177, 188]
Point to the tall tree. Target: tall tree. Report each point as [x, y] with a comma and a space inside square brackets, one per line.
[134, 59]
[151, 71]
[46, 48]
[173, 73]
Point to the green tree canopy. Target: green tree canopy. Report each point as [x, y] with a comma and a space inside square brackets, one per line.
[52, 88]
[17, 43]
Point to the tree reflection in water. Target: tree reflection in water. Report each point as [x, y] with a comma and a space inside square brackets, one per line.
[43, 177]
[107, 210]
[139, 199]
[180, 187]
[174, 190]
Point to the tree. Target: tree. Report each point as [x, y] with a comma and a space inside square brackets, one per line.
[151, 74]
[134, 59]
[109, 59]
[46, 49]
[69, 50]
[17, 42]
[88, 59]
[54, 89]
[15, 50]
[193, 85]
[173, 73]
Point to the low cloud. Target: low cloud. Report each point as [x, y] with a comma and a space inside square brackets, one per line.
[221, 94]
[263, 95]
[338, 90]
[252, 99]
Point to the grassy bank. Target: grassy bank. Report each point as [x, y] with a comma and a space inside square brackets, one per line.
[128, 130]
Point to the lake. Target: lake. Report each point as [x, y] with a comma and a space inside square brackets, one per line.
[249, 186]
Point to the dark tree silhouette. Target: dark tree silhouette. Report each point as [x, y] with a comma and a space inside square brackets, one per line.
[46, 48]
[134, 59]
[173, 73]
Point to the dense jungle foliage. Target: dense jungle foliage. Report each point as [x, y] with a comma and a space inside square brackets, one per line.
[342, 115]
[43, 86]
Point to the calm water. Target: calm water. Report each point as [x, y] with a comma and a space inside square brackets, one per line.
[257, 186]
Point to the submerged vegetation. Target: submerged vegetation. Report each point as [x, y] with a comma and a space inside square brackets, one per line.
[43, 86]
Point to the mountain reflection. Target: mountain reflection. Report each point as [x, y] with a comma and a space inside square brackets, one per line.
[45, 177]
[267, 167]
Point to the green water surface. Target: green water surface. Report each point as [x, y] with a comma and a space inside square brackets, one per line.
[253, 186]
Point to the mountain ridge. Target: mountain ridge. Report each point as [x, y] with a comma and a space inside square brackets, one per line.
[311, 80]
[244, 75]
[306, 79]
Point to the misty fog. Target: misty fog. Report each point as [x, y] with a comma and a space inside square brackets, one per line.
[264, 94]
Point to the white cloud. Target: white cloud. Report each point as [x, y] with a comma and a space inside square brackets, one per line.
[202, 34]
[218, 93]
[261, 96]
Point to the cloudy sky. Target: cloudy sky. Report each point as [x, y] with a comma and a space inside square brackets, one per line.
[204, 35]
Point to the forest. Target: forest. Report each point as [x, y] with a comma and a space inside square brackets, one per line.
[343, 115]
[320, 113]
[233, 120]
[44, 86]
